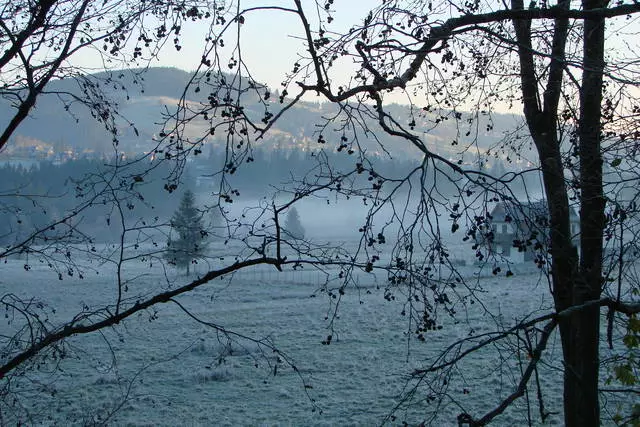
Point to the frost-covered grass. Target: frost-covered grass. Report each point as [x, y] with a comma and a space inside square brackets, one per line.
[164, 368]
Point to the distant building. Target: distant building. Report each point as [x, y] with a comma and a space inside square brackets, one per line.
[524, 228]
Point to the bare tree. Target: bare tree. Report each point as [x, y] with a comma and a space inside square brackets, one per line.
[39, 39]
[41, 42]
[460, 62]
[453, 63]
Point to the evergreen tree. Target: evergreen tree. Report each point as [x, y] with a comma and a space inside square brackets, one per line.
[189, 241]
[292, 226]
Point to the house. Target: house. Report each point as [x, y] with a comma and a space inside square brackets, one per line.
[523, 228]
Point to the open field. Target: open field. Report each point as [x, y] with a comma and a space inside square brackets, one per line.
[164, 368]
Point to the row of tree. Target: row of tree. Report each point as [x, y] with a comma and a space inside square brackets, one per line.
[34, 198]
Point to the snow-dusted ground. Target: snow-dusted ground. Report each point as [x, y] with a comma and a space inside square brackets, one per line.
[167, 369]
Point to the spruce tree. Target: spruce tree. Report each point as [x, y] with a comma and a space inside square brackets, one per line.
[292, 226]
[187, 240]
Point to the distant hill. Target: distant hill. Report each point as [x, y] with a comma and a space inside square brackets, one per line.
[142, 99]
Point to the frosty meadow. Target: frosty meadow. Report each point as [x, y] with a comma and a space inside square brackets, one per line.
[301, 228]
[161, 366]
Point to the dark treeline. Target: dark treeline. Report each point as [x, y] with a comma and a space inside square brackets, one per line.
[92, 192]
[280, 167]
[82, 195]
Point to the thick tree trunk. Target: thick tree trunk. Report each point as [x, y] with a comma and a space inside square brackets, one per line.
[572, 284]
[582, 406]
[564, 256]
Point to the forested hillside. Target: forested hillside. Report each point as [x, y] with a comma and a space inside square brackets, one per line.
[145, 98]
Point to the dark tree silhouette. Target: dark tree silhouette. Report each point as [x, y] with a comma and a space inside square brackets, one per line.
[188, 239]
[580, 113]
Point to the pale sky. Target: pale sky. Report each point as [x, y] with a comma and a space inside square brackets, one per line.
[270, 40]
